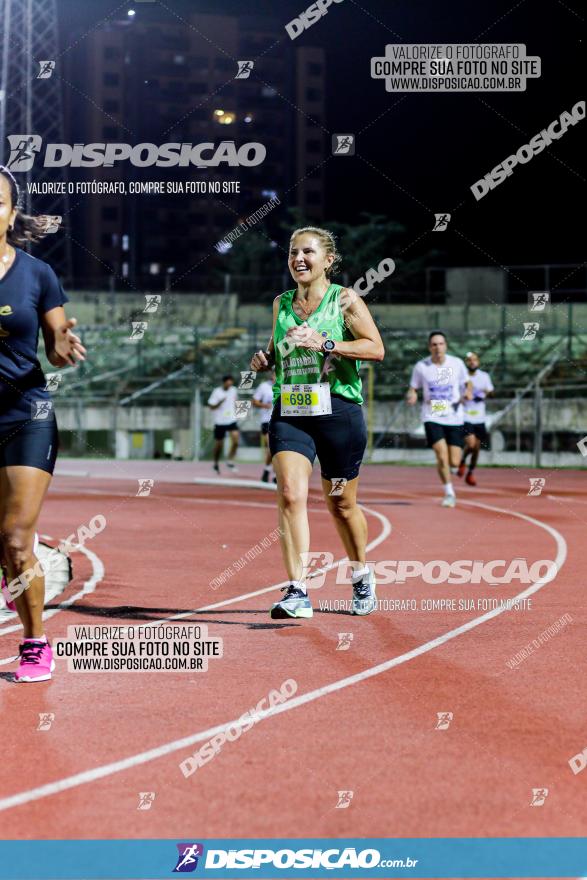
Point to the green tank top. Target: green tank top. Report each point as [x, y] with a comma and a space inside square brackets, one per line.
[295, 366]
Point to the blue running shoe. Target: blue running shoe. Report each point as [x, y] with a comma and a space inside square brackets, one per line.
[295, 603]
[364, 598]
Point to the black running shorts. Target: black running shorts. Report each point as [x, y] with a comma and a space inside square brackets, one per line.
[338, 439]
[32, 443]
[453, 434]
[220, 431]
[479, 430]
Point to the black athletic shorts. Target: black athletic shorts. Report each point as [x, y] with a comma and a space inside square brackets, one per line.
[265, 428]
[220, 430]
[338, 439]
[479, 430]
[453, 434]
[33, 443]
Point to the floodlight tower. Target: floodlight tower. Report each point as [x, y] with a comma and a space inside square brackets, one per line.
[31, 104]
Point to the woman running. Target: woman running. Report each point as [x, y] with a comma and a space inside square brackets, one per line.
[30, 297]
[321, 333]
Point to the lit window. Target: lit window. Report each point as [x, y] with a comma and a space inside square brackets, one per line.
[224, 117]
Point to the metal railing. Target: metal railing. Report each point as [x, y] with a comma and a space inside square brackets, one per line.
[535, 387]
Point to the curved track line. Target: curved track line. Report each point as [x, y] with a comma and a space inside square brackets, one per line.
[184, 743]
[92, 556]
[385, 532]
[88, 587]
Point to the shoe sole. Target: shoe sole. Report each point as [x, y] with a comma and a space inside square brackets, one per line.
[27, 678]
[281, 613]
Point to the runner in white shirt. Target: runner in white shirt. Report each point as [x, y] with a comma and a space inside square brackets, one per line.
[221, 402]
[263, 400]
[475, 431]
[441, 378]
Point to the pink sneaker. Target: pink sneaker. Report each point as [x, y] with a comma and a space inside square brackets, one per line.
[6, 594]
[36, 661]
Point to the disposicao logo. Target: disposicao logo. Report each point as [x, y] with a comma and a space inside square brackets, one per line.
[527, 152]
[24, 147]
[187, 860]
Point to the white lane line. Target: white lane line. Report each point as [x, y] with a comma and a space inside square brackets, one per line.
[174, 498]
[87, 776]
[50, 594]
[48, 614]
[9, 629]
[384, 533]
[563, 499]
[230, 482]
[88, 587]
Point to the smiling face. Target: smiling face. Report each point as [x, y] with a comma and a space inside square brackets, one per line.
[308, 259]
[7, 210]
[437, 346]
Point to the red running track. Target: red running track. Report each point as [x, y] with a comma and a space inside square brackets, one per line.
[513, 729]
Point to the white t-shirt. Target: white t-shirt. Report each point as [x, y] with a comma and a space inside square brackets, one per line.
[441, 386]
[264, 394]
[225, 413]
[475, 409]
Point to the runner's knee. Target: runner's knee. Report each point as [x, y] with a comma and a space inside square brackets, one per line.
[292, 494]
[341, 508]
[17, 544]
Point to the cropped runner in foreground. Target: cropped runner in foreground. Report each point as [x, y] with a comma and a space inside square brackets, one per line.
[442, 379]
[31, 297]
[321, 333]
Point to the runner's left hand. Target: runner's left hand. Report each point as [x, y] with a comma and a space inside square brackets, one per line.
[305, 337]
[68, 346]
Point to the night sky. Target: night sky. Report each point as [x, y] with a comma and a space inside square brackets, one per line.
[423, 154]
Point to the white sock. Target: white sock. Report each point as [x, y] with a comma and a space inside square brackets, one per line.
[42, 638]
[267, 469]
[448, 489]
[360, 573]
[300, 585]
[453, 470]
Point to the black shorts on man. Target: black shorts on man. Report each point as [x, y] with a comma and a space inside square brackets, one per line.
[220, 431]
[453, 434]
[479, 430]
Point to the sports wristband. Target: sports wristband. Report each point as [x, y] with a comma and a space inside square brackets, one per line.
[270, 355]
